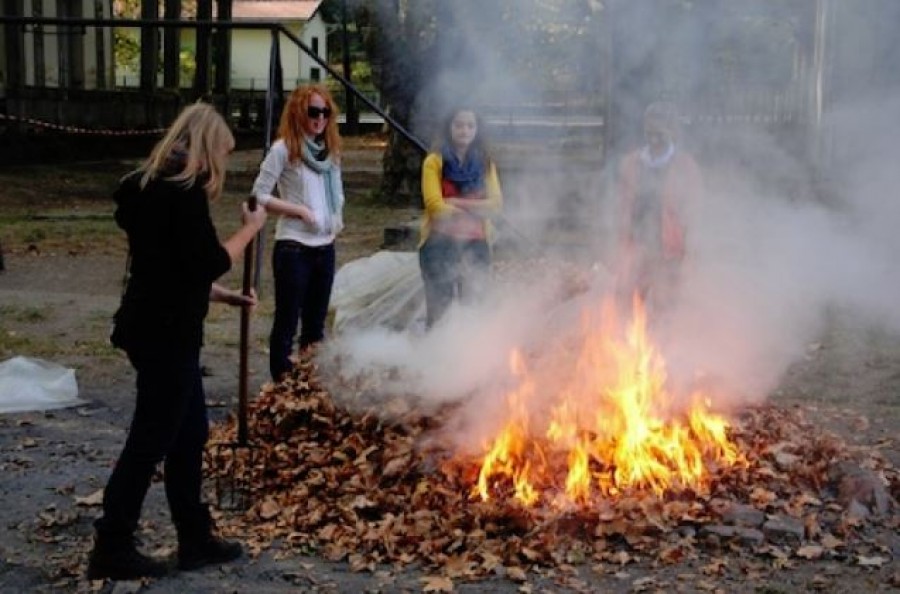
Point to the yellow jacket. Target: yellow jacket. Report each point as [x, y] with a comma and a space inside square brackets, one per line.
[435, 206]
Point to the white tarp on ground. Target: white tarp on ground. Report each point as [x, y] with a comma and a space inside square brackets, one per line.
[383, 290]
[33, 384]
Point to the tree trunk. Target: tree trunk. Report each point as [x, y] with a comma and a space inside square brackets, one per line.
[398, 68]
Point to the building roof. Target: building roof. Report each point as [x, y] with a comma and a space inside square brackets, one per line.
[274, 10]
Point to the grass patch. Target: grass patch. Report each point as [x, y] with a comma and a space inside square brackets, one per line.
[14, 343]
[26, 314]
[63, 185]
[94, 347]
[24, 233]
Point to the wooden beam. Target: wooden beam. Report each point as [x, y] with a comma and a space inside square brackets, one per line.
[40, 64]
[149, 46]
[222, 52]
[202, 56]
[14, 46]
[172, 46]
[100, 42]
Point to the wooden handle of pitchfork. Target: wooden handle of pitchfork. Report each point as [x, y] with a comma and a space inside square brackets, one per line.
[243, 369]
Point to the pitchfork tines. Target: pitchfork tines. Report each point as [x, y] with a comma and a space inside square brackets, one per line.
[233, 481]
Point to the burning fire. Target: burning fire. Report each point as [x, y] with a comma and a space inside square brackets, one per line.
[611, 428]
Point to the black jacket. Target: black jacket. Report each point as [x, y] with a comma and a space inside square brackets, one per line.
[175, 257]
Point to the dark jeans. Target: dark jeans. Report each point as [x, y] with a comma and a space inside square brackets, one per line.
[169, 425]
[452, 269]
[303, 279]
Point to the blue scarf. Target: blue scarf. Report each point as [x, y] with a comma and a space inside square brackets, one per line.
[315, 156]
[468, 176]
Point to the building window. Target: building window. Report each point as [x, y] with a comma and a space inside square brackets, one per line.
[315, 74]
[315, 45]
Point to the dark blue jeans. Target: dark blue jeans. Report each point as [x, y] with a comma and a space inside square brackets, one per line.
[169, 425]
[303, 279]
[452, 269]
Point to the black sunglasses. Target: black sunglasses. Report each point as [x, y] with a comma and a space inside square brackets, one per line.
[314, 112]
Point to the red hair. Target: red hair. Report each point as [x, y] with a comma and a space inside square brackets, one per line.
[294, 119]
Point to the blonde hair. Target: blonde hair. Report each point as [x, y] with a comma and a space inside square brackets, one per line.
[199, 136]
[294, 119]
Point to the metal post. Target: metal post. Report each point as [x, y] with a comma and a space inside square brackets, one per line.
[253, 253]
[352, 122]
[274, 102]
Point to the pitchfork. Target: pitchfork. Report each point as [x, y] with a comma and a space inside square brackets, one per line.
[233, 488]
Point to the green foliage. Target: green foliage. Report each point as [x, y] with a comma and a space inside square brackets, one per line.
[127, 44]
[127, 50]
[187, 64]
[362, 73]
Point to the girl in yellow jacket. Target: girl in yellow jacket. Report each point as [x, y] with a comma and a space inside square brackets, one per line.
[461, 191]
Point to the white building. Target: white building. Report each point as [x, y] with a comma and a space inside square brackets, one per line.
[250, 48]
[82, 57]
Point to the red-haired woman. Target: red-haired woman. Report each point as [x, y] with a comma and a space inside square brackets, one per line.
[304, 164]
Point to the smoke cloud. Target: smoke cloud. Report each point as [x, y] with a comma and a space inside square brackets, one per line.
[792, 225]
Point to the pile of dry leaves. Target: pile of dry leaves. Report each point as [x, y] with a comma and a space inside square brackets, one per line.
[358, 487]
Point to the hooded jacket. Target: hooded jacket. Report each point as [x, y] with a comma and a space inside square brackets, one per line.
[175, 255]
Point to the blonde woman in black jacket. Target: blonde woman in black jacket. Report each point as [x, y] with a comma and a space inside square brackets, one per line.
[175, 259]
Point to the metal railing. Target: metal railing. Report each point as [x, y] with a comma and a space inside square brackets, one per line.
[277, 30]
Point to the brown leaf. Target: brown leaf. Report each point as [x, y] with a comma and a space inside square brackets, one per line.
[672, 554]
[92, 500]
[530, 554]
[395, 466]
[762, 497]
[268, 509]
[436, 583]
[812, 527]
[644, 583]
[517, 574]
[830, 541]
[810, 551]
[716, 567]
[864, 561]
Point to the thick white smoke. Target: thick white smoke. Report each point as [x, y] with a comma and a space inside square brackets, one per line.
[774, 244]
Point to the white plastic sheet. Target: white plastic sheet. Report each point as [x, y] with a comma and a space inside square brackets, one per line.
[28, 384]
[383, 290]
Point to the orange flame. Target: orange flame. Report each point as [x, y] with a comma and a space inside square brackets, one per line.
[610, 427]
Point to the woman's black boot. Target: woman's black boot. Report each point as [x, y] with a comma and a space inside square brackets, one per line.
[116, 557]
[198, 545]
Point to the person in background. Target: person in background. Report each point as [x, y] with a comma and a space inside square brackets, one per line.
[175, 257]
[304, 164]
[461, 191]
[656, 185]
